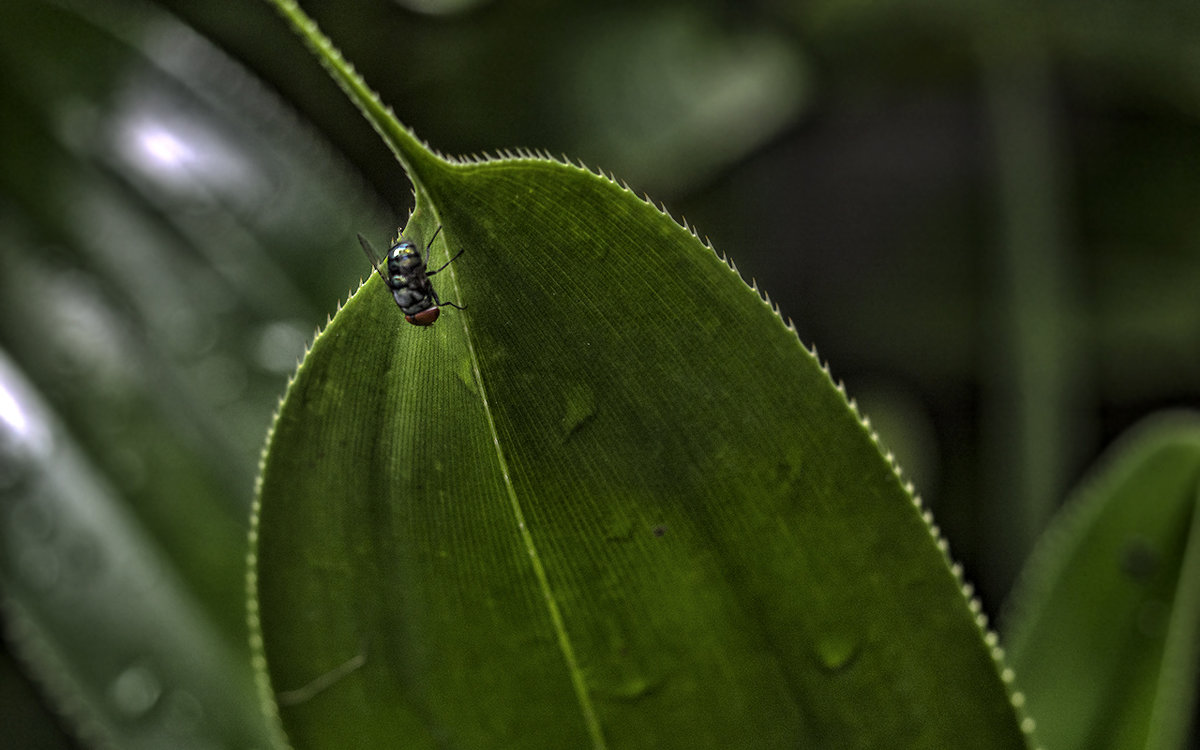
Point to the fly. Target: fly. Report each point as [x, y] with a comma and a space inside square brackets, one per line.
[409, 281]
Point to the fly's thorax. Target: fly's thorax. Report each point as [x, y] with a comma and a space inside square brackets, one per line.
[404, 258]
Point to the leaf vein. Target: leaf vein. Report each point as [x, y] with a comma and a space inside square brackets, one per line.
[560, 631]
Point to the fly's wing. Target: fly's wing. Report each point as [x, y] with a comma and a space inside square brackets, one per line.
[374, 257]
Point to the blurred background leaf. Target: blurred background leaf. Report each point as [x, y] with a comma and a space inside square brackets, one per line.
[172, 228]
[164, 223]
[93, 605]
[1103, 624]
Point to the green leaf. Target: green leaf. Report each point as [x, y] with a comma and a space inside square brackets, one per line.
[614, 503]
[1105, 620]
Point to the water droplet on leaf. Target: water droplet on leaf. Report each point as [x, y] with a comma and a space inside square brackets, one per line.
[618, 530]
[836, 651]
[466, 373]
[580, 407]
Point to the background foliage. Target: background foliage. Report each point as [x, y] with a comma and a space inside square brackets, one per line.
[984, 217]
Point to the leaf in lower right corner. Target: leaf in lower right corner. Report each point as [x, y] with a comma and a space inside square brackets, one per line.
[1104, 623]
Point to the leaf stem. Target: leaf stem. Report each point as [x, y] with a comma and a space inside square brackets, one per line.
[412, 154]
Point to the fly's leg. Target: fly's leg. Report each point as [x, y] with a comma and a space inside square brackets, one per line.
[429, 245]
[438, 300]
[460, 252]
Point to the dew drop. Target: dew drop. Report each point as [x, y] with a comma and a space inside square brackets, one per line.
[465, 372]
[836, 651]
[618, 530]
[630, 689]
[135, 691]
[622, 680]
[579, 408]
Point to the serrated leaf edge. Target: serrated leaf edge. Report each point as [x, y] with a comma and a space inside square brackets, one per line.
[973, 603]
[408, 149]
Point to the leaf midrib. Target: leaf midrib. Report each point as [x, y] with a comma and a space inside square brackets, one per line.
[560, 630]
[415, 158]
